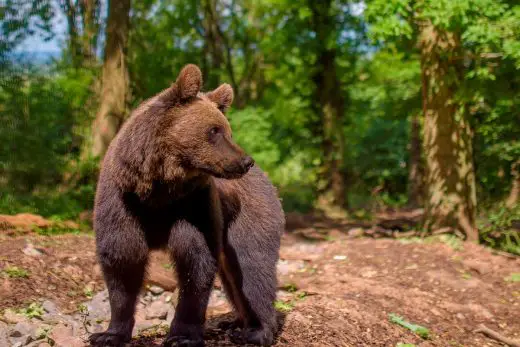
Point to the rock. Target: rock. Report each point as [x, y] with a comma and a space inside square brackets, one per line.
[285, 267]
[478, 266]
[170, 315]
[356, 232]
[31, 251]
[217, 298]
[22, 333]
[12, 317]
[3, 334]
[63, 336]
[99, 307]
[161, 277]
[157, 309]
[50, 307]
[156, 290]
[283, 295]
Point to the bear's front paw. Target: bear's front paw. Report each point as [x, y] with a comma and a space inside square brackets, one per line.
[108, 339]
[260, 337]
[183, 341]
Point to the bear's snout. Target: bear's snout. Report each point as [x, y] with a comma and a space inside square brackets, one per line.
[247, 162]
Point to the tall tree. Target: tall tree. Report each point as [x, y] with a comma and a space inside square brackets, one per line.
[455, 39]
[115, 82]
[329, 104]
[450, 177]
[83, 24]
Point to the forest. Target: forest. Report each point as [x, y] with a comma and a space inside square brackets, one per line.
[357, 110]
[349, 106]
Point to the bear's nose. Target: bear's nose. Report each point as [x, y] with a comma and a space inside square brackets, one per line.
[247, 162]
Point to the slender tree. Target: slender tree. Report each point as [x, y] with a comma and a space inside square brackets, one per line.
[115, 85]
[83, 25]
[329, 102]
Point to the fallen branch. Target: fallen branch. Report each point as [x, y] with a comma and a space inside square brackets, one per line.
[497, 336]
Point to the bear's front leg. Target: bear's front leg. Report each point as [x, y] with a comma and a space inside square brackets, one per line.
[196, 268]
[123, 254]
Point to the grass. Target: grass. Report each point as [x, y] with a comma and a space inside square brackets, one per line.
[514, 277]
[15, 272]
[283, 306]
[34, 310]
[287, 306]
[417, 329]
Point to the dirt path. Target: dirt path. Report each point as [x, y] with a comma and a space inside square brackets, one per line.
[337, 292]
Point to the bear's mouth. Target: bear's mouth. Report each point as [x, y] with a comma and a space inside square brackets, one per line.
[224, 173]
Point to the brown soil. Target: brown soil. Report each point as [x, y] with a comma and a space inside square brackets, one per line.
[350, 286]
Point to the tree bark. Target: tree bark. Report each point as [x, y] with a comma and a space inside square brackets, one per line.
[330, 107]
[416, 170]
[512, 199]
[115, 85]
[213, 42]
[89, 15]
[450, 179]
[69, 7]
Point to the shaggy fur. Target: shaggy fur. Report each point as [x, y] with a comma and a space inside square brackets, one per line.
[174, 178]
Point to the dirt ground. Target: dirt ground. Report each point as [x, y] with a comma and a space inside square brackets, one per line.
[338, 292]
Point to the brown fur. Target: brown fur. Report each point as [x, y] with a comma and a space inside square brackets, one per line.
[173, 177]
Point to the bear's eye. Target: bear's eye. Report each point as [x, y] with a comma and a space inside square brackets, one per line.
[215, 130]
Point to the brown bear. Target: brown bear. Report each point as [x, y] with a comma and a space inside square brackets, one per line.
[173, 178]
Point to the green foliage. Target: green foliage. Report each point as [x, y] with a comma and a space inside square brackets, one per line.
[15, 272]
[34, 310]
[268, 50]
[514, 277]
[283, 306]
[497, 231]
[417, 329]
[45, 112]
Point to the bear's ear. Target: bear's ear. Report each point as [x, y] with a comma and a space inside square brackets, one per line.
[222, 96]
[189, 81]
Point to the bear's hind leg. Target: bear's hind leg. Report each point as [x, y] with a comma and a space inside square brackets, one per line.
[196, 269]
[250, 281]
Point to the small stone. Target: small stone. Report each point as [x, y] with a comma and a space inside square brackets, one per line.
[156, 290]
[12, 317]
[157, 309]
[30, 250]
[50, 307]
[356, 232]
[170, 315]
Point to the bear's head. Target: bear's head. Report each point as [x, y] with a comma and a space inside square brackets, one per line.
[179, 134]
[197, 129]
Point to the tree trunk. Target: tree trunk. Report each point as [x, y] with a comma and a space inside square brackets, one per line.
[415, 171]
[90, 23]
[330, 107]
[450, 179]
[69, 8]
[213, 42]
[115, 87]
[512, 200]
